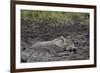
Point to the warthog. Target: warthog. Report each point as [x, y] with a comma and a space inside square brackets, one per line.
[57, 45]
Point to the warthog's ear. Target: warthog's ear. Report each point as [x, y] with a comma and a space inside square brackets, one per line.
[59, 42]
[64, 39]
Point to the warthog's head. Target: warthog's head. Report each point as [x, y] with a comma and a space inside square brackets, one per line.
[65, 43]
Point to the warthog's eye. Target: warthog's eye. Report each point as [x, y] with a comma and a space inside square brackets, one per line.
[69, 45]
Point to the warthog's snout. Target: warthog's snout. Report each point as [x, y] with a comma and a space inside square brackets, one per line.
[74, 49]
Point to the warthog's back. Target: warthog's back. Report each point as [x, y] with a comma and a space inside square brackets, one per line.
[44, 43]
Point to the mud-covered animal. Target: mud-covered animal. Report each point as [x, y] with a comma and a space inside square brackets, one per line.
[57, 45]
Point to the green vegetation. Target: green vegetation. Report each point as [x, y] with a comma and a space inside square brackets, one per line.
[55, 17]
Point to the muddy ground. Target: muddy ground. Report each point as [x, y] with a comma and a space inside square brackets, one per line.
[44, 32]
